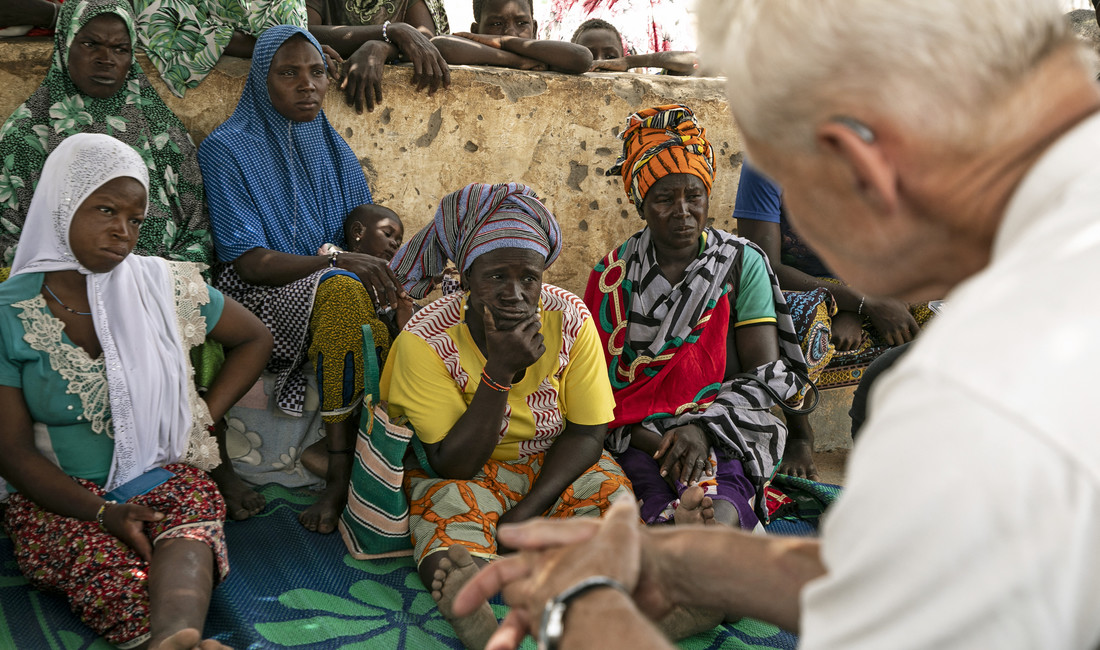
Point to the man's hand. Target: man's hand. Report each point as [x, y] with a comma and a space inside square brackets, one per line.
[685, 451]
[126, 521]
[430, 70]
[555, 555]
[362, 84]
[892, 320]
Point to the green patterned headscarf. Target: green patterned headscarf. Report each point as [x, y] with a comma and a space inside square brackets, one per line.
[176, 226]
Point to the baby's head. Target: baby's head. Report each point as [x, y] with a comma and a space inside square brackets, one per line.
[374, 230]
[505, 18]
[601, 38]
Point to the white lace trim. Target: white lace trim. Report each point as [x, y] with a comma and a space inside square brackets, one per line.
[190, 292]
[86, 377]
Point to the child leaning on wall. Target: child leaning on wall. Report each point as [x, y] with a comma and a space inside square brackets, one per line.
[504, 34]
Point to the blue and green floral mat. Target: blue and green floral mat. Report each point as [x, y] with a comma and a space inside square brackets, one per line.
[289, 588]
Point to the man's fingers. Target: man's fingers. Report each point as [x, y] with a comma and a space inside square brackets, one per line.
[623, 509]
[513, 629]
[538, 534]
[487, 582]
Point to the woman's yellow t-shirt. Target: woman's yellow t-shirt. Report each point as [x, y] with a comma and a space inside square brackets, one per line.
[434, 369]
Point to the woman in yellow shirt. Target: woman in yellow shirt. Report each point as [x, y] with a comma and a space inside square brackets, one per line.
[504, 384]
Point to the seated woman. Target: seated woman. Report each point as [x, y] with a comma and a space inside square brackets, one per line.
[684, 310]
[838, 345]
[371, 32]
[103, 433]
[185, 38]
[94, 85]
[606, 45]
[279, 180]
[505, 33]
[504, 385]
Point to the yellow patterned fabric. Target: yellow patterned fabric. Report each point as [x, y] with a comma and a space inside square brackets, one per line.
[340, 310]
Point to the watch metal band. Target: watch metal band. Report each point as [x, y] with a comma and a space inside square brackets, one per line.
[552, 626]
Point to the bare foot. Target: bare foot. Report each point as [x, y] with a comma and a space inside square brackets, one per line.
[695, 508]
[453, 572]
[315, 458]
[241, 501]
[322, 516]
[188, 639]
[798, 459]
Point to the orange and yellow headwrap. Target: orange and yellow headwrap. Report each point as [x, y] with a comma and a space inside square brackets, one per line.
[661, 141]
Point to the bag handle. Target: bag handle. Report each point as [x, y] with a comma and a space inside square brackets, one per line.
[747, 377]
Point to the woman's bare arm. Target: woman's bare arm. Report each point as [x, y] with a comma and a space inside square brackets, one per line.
[23, 466]
[268, 268]
[247, 344]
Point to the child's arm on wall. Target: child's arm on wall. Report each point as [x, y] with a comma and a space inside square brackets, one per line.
[457, 50]
[558, 56]
[678, 62]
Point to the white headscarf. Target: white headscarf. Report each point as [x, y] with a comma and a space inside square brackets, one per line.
[133, 307]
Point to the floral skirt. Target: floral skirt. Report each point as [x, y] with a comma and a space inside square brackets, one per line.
[105, 581]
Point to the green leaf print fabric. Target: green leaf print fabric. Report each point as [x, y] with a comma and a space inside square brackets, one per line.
[184, 40]
[177, 225]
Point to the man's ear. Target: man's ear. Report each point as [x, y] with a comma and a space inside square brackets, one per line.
[856, 145]
[535, 28]
[475, 28]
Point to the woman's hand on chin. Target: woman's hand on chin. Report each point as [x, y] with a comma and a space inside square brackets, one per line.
[684, 451]
[508, 351]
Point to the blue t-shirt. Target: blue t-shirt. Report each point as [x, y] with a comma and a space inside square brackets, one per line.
[759, 199]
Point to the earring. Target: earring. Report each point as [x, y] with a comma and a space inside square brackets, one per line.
[357, 239]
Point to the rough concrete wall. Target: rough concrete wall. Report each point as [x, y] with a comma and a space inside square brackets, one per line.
[553, 132]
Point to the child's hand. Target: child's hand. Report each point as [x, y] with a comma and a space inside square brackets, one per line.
[484, 39]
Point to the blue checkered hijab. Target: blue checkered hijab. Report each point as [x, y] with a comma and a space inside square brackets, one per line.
[272, 182]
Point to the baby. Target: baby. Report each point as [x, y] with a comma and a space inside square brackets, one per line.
[376, 230]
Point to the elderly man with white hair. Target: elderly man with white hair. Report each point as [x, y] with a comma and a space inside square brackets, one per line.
[926, 147]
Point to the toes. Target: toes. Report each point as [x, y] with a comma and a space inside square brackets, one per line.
[459, 556]
[692, 497]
